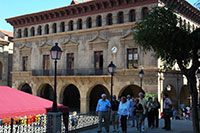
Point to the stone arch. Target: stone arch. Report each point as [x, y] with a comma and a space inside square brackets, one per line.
[46, 91]
[26, 88]
[145, 12]
[172, 95]
[71, 97]
[185, 95]
[132, 90]
[32, 31]
[120, 17]
[95, 95]
[109, 19]
[26, 32]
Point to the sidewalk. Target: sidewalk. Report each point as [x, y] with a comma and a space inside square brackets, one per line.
[177, 126]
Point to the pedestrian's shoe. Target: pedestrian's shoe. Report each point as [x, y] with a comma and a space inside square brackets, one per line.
[143, 129]
[98, 131]
[107, 131]
[117, 130]
[167, 129]
[163, 127]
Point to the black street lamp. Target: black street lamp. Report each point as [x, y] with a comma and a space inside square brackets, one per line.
[198, 74]
[55, 55]
[111, 70]
[141, 75]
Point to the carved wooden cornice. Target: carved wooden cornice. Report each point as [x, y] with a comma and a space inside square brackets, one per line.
[75, 10]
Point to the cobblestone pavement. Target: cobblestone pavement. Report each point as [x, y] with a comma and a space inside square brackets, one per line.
[177, 126]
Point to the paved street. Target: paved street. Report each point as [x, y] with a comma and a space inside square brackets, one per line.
[178, 126]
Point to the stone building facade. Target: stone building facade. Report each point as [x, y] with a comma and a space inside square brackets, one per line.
[91, 35]
[6, 50]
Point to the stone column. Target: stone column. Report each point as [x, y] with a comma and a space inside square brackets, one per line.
[160, 90]
[84, 105]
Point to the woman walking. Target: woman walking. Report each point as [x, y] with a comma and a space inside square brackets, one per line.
[138, 110]
[150, 114]
[123, 113]
[156, 111]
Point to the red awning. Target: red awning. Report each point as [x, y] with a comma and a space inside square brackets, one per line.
[15, 103]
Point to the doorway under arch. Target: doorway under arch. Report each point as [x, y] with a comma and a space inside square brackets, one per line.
[26, 88]
[71, 98]
[172, 95]
[47, 92]
[95, 95]
[185, 96]
[132, 90]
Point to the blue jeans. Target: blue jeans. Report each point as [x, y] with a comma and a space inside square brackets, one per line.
[133, 118]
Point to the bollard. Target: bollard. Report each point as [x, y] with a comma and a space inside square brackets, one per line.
[11, 130]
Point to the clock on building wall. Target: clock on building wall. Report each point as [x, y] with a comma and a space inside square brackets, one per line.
[114, 50]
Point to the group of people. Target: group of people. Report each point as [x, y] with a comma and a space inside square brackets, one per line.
[126, 109]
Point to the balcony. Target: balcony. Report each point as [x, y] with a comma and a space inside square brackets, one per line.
[71, 72]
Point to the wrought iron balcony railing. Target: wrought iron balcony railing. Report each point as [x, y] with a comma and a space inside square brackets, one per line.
[71, 72]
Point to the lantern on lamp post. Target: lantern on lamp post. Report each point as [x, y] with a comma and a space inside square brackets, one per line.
[54, 117]
[56, 53]
[141, 76]
[111, 70]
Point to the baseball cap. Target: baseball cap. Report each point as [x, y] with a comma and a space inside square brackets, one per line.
[113, 96]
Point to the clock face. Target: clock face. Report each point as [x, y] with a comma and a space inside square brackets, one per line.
[114, 50]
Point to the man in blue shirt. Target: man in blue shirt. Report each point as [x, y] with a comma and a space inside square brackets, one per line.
[102, 110]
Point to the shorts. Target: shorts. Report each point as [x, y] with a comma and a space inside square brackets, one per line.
[115, 116]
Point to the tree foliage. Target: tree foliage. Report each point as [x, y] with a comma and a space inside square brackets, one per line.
[172, 42]
[161, 32]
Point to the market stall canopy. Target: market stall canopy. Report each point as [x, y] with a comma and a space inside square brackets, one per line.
[15, 103]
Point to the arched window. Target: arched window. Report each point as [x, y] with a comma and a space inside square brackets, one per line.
[184, 22]
[54, 27]
[25, 32]
[62, 27]
[98, 21]
[120, 18]
[79, 24]
[39, 30]
[145, 11]
[1, 70]
[32, 31]
[132, 15]
[89, 22]
[19, 33]
[180, 22]
[193, 28]
[71, 26]
[109, 20]
[189, 26]
[46, 28]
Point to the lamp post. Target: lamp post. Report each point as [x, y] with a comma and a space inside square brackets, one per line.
[54, 117]
[111, 70]
[169, 88]
[141, 75]
[55, 55]
[198, 76]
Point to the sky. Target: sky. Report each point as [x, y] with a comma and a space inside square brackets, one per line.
[12, 8]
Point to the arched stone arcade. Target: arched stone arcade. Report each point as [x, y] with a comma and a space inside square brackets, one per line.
[71, 98]
[95, 95]
[46, 92]
[185, 96]
[132, 90]
[26, 88]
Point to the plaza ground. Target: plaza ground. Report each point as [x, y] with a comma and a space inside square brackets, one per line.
[177, 126]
